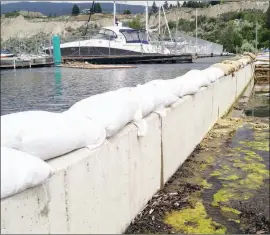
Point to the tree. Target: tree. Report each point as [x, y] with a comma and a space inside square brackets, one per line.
[127, 12]
[214, 3]
[184, 4]
[75, 10]
[98, 8]
[135, 23]
[171, 6]
[165, 5]
[268, 17]
[178, 4]
[246, 46]
[154, 7]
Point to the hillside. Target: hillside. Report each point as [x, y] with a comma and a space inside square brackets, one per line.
[64, 8]
[219, 23]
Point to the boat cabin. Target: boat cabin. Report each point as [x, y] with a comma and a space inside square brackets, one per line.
[125, 34]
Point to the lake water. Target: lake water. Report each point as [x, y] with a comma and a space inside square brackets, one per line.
[56, 89]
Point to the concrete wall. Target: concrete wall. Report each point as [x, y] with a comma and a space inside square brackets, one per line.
[102, 191]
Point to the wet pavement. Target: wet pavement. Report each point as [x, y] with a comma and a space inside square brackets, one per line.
[223, 187]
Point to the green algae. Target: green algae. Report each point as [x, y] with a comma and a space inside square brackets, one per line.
[225, 167]
[229, 177]
[256, 168]
[194, 221]
[252, 181]
[216, 173]
[207, 162]
[206, 185]
[235, 220]
[229, 209]
[221, 196]
[237, 160]
[252, 158]
[257, 145]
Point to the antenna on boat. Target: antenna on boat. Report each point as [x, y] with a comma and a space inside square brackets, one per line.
[90, 13]
[114, 13]
[159, 21]
[196, 29]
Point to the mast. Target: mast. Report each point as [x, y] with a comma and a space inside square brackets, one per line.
[159, 20]
[146, 19]
[256, 39]
[114, 13]
[176, 30]
[167, 23]
[196, 30]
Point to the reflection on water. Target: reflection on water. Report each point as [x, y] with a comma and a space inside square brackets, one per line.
[58, 78]
[56, 89]
[259, 105]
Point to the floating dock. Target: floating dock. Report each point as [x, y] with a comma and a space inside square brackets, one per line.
[86, 65]
[16, 62]
[131, 59]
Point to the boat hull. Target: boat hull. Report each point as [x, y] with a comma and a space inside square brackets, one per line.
[96, 51]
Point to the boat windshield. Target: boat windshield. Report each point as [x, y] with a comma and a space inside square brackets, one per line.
[134, 36]
[105, 34]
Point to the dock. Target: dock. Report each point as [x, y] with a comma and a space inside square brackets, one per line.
[131, 59]
[86, 65]
[16, 62]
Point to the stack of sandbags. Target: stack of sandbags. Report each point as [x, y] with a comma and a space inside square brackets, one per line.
[251, 55]
[155, 96]
[226, 68]
[47, 135]
[236, 64]
[111, 110]
[20, 170]
[213, 73]
[189, 83]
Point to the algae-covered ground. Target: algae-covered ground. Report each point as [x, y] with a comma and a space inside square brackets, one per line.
[222, 188]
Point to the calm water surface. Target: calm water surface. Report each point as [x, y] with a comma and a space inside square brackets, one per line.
[56, 89]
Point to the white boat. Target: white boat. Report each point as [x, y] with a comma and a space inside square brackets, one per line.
[6, 54]
[113, 41]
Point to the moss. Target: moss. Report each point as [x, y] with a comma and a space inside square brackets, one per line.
[252, 181]
[225, 167]
[206, 185]
[229, 209]
[235, 220]
[256, 168]
[257, 145]
[237, 160]
[207, 162]
[230, 177]
[194, 221]
[216, 173]
[252, 158]
[222, 195]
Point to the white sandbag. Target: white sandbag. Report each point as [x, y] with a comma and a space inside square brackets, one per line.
[48, 135]
[244, 61]
[147, 99]
[155, 96]
[20, 170]
[213, 73]
[200, 78]
[189, 83]
[112, 110]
